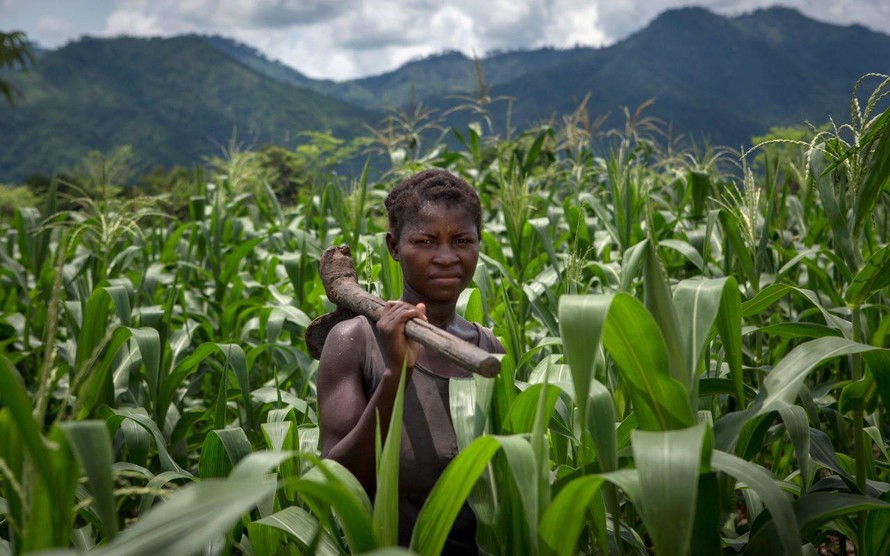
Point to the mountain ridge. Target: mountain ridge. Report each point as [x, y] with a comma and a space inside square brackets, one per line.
[716, 78]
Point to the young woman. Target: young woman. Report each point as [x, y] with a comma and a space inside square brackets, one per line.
[435, 223]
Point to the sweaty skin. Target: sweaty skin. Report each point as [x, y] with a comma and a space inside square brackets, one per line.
[437, 252]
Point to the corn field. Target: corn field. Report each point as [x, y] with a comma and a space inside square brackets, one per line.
[697, 353]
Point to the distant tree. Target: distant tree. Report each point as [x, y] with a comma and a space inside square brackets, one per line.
[14, 52]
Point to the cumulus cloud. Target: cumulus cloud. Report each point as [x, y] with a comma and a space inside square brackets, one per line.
[257, 14]
[342, 39]
[360, 37]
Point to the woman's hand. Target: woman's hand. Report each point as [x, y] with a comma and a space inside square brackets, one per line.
[395, 344]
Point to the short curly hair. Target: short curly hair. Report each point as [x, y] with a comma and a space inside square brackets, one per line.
[437, 185]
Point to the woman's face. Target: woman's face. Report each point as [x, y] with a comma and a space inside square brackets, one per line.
[437, 250]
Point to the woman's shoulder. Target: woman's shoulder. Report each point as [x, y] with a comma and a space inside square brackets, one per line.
[487, 340]
[348, 339]
[351, 349]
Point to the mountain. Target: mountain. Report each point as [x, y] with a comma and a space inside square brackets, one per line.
[446, 74]
[174, 100]
[723, 79]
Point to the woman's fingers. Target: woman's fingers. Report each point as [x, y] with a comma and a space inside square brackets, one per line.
[396, 346]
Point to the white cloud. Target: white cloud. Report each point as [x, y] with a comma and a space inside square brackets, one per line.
[221, 14]
[343, 39]
[134, 22]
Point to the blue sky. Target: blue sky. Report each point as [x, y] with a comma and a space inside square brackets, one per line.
[342, 39]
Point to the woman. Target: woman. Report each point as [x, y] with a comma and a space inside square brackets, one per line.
[435, 224]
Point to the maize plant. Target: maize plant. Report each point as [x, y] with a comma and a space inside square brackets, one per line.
[697, 356]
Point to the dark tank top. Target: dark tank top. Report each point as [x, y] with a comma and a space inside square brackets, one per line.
[428, 439]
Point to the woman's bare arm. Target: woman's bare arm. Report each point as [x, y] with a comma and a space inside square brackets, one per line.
[347, 418]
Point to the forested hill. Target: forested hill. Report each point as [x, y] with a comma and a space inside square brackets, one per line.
[175, 100]
[715, 77]
[721, 78]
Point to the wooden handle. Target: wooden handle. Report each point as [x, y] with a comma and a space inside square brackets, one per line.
[341, 284]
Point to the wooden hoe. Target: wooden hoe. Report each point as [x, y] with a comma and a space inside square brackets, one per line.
[341, 284]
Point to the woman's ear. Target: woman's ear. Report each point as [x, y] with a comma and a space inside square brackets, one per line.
[393, 245]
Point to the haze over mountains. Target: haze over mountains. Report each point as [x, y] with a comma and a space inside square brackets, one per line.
[176, 100]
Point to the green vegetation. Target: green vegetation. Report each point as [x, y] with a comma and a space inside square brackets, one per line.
[697, 355]
[14, 53]
[175, 101]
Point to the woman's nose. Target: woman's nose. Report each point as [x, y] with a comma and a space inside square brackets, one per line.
[446, 254]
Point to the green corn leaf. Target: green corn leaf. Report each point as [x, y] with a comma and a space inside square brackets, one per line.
[668, 465]
[660, 402]
[709, 508]
[469, 402]
[523, 411]
[685, 249]
[523, 464]
[296, 523]
[840, 232]
[157, 483]
[699, 185]
[782, 385]
[221, 451]
[795, 419]
[544, 231]
[822, 452]
[813, 510]
[95, 318]
[877, 177]
[329, 485]
[872, 278]
[700, 301]
[717, 386]
[233, 358]
[32, 503]
[601, 426]
[114, 417]
[469, 305]
[730, 226]
[390, 271]
[858, 395]
[774, 292]
[189, 520]
[661, 305]
[581, 322]
[51, 514]
[632, 262]
[729, 325]
[15, 398]
[808, 330]
[233, 261]
[876, 537]
[97, 389]
[563, 520]
[386, 501]
[91, 444]
[359, 222]
[778, 503]
[449, 494]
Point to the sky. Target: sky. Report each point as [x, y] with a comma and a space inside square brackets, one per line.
[345, 39]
